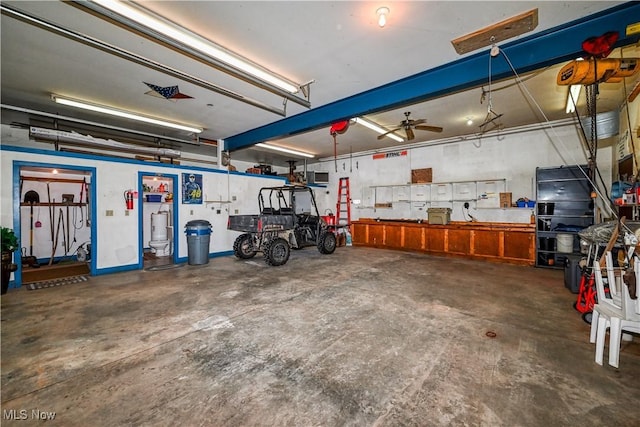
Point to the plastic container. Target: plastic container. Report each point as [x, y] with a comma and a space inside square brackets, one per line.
[544, 224]
[154, 197]
[546, 243]
[440, 216]
[572, 272]
[546, 208]
[198, 234]
[565, 242]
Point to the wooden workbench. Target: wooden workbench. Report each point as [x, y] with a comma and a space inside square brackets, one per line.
[511, 243]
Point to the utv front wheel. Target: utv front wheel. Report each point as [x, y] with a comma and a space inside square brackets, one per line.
[327, 243]
[243, 247]
[277, 252]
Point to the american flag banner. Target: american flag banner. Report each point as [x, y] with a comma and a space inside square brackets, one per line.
[168, 92]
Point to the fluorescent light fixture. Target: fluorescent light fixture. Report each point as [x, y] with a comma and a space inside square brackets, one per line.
[121, 113]
[284, 150]
[184, 36]
[572, 98]
[374, 127]
[108, 144]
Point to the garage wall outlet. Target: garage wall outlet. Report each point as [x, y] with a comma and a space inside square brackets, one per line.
[109, 213]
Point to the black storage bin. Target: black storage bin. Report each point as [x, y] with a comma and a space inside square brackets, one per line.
[572, 272]
[546, 208]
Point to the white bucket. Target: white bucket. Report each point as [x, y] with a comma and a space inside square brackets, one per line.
[564, 242]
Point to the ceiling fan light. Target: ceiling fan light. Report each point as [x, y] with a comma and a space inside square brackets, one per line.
[382, 13]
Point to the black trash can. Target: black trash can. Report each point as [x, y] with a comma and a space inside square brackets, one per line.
[572, 272]
[198, 234]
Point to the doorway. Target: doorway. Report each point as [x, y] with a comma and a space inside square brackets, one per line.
[157, 218]
[53, 217]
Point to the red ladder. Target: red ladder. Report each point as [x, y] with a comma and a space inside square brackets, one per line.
[344, 204]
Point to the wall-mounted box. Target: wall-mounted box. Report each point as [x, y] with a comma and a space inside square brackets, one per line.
[505, 200]
[317, 177]
[421, 176]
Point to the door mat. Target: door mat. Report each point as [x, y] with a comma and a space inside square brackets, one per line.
[56, 282]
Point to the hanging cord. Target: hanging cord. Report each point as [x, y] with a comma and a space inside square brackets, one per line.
[492, 116]
[585, 146]
[626, 102]
[555, 133]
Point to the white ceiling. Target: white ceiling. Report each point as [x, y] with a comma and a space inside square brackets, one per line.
[338, 45]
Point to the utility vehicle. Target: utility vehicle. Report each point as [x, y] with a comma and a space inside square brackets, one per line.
[288, 219]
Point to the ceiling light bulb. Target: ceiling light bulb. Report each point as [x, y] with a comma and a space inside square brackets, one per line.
[469, 121]
[382, 16]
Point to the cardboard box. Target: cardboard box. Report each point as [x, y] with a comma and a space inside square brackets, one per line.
[439, 216]
[421, 176]
[505, 200]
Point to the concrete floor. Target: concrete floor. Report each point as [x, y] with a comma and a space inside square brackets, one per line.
[364, 337]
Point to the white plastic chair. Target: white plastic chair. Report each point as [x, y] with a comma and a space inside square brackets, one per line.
[603, 303]
[614, 282]
[630, 322]
[607, 315]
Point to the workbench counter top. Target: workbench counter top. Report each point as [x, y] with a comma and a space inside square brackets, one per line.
[490, 241]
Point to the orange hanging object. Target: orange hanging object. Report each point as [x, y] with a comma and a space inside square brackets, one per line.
[594, 70]
[339, 127]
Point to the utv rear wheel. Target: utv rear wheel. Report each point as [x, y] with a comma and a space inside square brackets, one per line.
[243, 247]
[277, 252]
[327, 243]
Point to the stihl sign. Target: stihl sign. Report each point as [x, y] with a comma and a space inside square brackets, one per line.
[389, 155]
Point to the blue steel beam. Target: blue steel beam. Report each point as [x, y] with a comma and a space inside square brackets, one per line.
[546, 48]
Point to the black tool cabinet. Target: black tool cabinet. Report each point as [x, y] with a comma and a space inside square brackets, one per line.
[563, 207]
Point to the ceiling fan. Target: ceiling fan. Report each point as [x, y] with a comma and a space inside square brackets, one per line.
[409, 125]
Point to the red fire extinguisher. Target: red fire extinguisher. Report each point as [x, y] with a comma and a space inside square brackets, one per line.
[128, 199]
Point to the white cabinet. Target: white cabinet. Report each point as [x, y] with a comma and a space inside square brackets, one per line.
[479, 194]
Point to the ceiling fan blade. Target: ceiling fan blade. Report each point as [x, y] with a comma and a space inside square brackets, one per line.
[410, 134]
[430, 128]
[418, 122]
[387, 133]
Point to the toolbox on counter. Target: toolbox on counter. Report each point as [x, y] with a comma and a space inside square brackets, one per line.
[439, 216]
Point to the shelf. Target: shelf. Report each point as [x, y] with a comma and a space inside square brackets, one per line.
[62, 204]
[570, 193]
[565, 216]
[563, 180]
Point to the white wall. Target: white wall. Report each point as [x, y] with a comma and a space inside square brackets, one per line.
[513, 157]
[116, 242]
